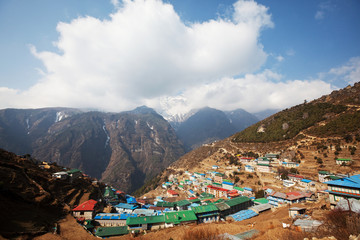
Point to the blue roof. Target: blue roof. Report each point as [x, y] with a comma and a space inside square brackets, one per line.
[124, 216]
[191, 191]
[125, 205]
[353, 181]
[228, 183]
[249, 189]
[243, 214]
[131, 200]
[306, 180]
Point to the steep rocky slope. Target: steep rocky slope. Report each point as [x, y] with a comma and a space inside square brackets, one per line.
[123, 149]
[31, 200]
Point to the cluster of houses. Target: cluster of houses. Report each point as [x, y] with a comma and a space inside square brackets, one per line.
[136, 215]
[210, 197]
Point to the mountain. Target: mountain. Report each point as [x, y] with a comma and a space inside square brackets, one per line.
[207, 125]
[312, 134]
[241, 119]
[265, 113]
[122, 149]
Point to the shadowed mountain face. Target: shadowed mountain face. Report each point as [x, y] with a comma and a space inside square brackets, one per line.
[208, 125]
[122, 149]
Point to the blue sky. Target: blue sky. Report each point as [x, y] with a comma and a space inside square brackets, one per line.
[176, 55]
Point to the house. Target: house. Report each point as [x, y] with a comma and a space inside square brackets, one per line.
[227, 184]
[272, 156]
[206, 213]
[296, 212]
[141, 212]
[306, 225]
[261, 208]
[182, 204]
[172, 193]
[260, 201]
[239, 189]
[344, 188]
[261, 167]
[278, 198]
[105, 232]
[306, 183]
[323, 175]
[216, 191]
[290, 164]
[295, 178]
[238, 203]
[248, 190]
[74, 173]
[343, 161]
[86, 210]
[180, 218]
[112, 219]
[60, 175]
[169, 205]
[263, 160]
[288, 183]
[146, 223]
[215, 167]
[233, 193]
[249, 168]
[224, 209]
[218, 178]
[125, 207]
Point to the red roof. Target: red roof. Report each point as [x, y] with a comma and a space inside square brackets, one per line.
[172, 192]
[86, 206]
[119, 192]
[218, 188]
[192, 198]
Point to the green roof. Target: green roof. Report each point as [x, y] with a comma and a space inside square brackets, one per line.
[323, 172]
[182, 203]
[73, 171]
[219, 184]
[111, 231]
[165, 204]
[180, 216]
[239, 188]
[220, 174]
[261, 200]
[145, 220]
[222, 206]
[262, 164]
[237, 201]
[227, 180]
[205, 195]
[196, 200]
[181, 186]
[333, 177]
[205, 208]
[343, 159]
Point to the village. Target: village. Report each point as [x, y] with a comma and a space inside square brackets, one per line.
[216, 194]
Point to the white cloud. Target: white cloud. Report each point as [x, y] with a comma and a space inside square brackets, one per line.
[324, 8]
[145, 54]
[254, 92]
[349, 72]
[145, 51]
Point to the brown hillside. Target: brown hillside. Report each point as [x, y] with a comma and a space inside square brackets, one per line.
[31, 200]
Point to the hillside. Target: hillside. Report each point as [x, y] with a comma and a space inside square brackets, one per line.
[312, 134]
[335, 115]
[123, 149]
[32, 200]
